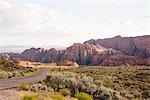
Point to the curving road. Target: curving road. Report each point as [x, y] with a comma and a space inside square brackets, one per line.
[11, 83]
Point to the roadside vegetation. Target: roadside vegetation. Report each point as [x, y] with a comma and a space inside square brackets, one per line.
[8, 69]
[74, 85]
[131, 82]
[87, 83]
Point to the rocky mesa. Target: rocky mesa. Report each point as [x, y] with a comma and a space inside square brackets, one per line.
[135, 46]
[115, 51]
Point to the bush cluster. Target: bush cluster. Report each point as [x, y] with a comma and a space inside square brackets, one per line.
[40, 88]
[41, 96]
[122, 79]
[29, 97]
[57, 96]
[25, 86]
[8, 69]
[65, 92]
[79, 83]
[83, 96]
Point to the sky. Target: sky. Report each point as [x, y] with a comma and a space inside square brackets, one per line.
[64, 22]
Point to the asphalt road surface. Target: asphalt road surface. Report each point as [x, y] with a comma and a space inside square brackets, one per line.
[11, 83]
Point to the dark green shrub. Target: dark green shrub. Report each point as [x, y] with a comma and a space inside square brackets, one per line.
[83, 96]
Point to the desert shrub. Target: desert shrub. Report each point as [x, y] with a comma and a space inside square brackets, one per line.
[129, 96]
[136, 76]
[146, 94]
[8, 69]
[44, 96]
[8, 65]
[137, 95]
[78, 83]
[64, 92]
[57, 96]
[83, 96]
[41, 97]
[25, 86]
[60, 80]
[7, 74]
[98, 82]
[52, 85]
[29, 97]
[3, 74]
[85, 84]
[107, 83]
[104, 93]
[40, 88]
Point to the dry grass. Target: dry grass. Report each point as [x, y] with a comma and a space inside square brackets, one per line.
[12, 94]
[41, 65]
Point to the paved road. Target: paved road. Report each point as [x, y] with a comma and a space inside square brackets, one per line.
[11, 83]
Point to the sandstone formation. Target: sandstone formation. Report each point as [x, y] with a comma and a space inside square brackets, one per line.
[88, 54]
[4, 56]
[67, 63]
[147, 61]
[116, 59]
[33, 54]
[51, 56]
[9, 56]
[83, 54]
[115, 51]
[23, 63]
[135, 46]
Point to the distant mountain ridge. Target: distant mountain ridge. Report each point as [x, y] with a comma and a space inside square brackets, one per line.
[21, 48]
[115, 51]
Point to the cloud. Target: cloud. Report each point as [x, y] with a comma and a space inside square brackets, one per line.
[147, 16]
[122, 23]
[64, 22]
[16, 19]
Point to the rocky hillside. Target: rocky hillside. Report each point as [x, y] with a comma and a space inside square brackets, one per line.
[135, 46]
[88, 54]
[4, 56]
[115, 51]
[33, 54]
[8, 56]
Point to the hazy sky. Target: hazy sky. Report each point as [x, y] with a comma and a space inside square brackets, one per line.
[63, 22]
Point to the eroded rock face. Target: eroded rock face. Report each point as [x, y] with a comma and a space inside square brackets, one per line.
[135, 46]
[147, 61]
[67, 63]
[82, 53]
[9, 56]
[106, 52]
[4, 56]
[33, 54]
[51, 56]
[88, 54]
[116, 59]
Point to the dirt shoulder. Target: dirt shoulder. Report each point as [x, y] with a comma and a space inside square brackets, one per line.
[11, 94]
